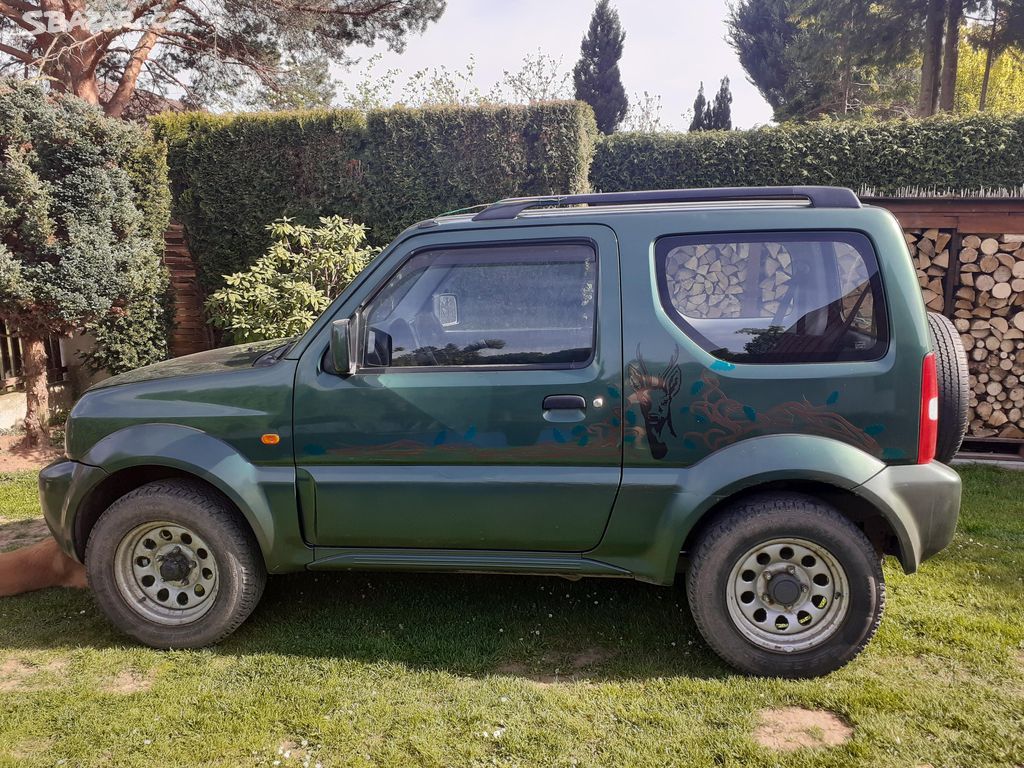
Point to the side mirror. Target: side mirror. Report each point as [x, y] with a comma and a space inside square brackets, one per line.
[342, 351]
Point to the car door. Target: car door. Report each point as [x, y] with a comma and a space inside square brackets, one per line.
[485, 408]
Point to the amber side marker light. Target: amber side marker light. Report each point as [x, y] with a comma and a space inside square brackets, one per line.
[270, 438]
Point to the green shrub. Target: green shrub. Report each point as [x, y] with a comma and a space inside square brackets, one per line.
[286, 289]
[422, 162]
[232, 174]
[135, 330]
[83, 208]
[940, 153]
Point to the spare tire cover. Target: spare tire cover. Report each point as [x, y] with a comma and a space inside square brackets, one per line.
[954, 394]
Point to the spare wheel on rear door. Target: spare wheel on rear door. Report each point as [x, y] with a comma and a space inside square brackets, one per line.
[951, 367]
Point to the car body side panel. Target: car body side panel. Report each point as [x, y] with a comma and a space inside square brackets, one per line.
[658, 507]
[708, 404]
[264, 494]
[464, 458]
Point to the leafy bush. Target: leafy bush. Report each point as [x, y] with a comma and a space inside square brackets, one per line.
[83, 207]
[939, 153]
[286, 289]
[231, 174]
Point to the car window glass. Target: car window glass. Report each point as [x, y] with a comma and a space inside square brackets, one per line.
[503, 305]
[804, 297]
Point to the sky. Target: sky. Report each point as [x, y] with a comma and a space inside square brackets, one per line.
[671, 46]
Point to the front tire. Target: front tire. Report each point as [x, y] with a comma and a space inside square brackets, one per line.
[783, 585]
[173, 565]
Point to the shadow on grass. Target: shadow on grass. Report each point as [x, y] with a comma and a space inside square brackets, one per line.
[537, 628]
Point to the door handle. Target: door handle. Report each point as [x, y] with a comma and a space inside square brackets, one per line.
[564, 403]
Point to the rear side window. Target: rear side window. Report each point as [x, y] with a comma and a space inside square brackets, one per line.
[775, 297]
[508, 305]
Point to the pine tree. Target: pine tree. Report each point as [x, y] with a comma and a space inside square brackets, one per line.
[721, 109]
[596, 74]
[701, 116]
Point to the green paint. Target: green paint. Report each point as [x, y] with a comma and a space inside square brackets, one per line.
[453, 469]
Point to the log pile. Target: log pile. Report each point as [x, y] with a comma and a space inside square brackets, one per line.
[987, 313]
[929, 248]
[710, 281]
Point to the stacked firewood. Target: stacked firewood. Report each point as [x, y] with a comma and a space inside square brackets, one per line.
[711, 281]
[929, 249]
[987, 313]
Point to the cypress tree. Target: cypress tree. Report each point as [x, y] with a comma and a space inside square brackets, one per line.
[701, 118]
[596, 74]
[716, 115]
[721, 110]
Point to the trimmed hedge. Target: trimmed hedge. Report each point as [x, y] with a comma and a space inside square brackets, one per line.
[422, 162]
[940, 153]
[231, 175]
[234, 174]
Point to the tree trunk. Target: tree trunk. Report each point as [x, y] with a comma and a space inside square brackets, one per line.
[37, 396]
[990, 54]
[951, 54]
[931, 62]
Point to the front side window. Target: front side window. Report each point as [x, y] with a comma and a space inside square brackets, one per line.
[775, 298]
[507, 305]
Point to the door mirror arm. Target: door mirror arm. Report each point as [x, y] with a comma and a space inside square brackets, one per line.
[343, 352]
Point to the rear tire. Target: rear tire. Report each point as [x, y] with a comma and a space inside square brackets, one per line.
[954, 393]
[783, 585]
[173, 565]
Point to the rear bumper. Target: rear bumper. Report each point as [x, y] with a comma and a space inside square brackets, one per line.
[62, 487]
[922, 503]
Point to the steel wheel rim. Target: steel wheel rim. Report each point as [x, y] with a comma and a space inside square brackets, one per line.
[166, 573]
[762, 611]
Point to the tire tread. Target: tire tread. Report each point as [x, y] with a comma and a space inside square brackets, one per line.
[740, 515]
[954, 393]
[223, 516]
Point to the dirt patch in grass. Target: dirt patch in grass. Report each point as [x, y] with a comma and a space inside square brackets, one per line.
[19, 675]
[290, 751]
[790, 728]
[29, 748]
[20, 533]
[127, 682]
[557, 668]
[15, 456]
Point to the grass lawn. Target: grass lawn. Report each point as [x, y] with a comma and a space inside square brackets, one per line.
[394, 670]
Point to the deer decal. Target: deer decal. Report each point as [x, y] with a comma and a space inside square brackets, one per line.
[655, 394]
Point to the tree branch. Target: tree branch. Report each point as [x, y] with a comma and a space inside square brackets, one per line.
[20, 55]
[327, 10]
[115, 106]
[12, 10]
[105, 38]
[19, 5]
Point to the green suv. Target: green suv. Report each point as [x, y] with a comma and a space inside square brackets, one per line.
[739, 386]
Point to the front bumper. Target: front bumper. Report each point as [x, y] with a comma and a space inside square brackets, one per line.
[921, 503]
[63, 485]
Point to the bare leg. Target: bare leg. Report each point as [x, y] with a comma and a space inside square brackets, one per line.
[39, 566]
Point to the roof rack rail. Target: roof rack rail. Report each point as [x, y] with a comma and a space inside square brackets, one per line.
[818, 197]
